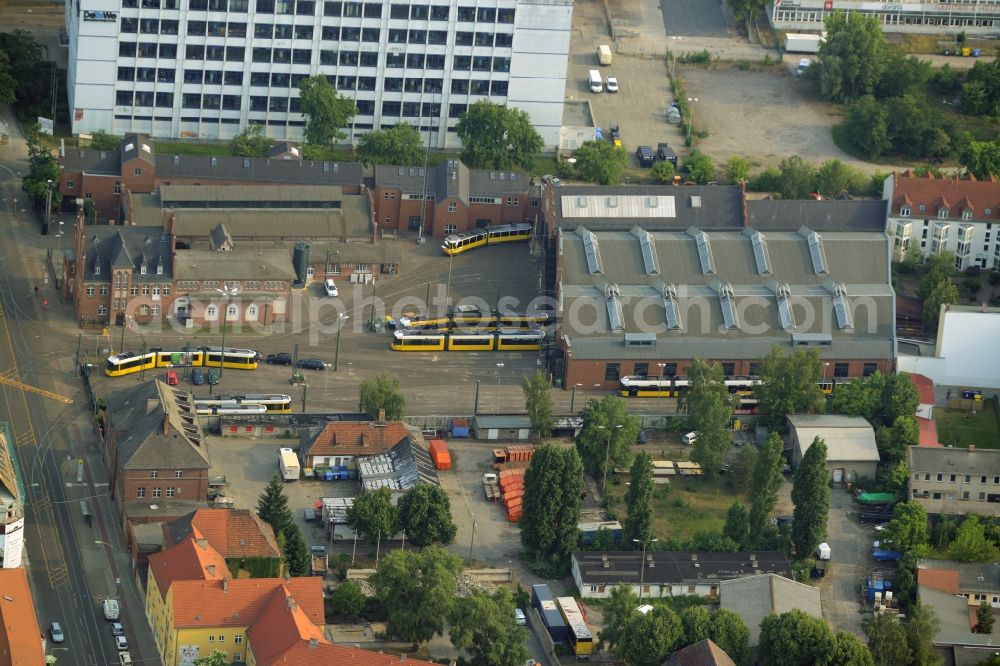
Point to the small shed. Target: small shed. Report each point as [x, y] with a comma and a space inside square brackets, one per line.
[501, 427]
[851, 452]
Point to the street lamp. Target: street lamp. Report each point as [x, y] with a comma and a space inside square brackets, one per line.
[572, 398]
[499, 368]
[228, 292]
[607, 455]
[48, 204]
[642, 564]
[663, 369]
[341, 318]
[473, 539]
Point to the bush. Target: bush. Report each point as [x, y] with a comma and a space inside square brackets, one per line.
[768, 180]
[994, 278]
[703, 57]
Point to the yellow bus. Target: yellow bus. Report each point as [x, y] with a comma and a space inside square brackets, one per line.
[578, 635]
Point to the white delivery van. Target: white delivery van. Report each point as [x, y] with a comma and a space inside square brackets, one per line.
[111, 609]
[823, 551]
[689, 438]
[596, 82]
[604, 54]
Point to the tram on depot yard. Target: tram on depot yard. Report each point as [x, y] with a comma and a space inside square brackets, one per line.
[125, 363]
[469, 240]
[500, 340]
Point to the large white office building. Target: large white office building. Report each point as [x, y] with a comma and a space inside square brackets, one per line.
[941, 17]
[207, 68]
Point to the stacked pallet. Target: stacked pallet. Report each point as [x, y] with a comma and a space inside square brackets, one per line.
[512, 489]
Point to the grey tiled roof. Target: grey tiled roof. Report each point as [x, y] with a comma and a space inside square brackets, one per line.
[108, 162]
[755, 597]
[828, 215]
[137, 414]
[220, 194]
[137, 146]
[954, 461]
[258, 170]
[708, 207]
[452, 179]
[124, 246]
[262, 264]
[676, 567]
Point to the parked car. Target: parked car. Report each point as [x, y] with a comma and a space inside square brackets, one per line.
[124, 659]
[121, 642]
[886, 555]
[641, 438]
[117, 629]
[331, 288]
[213, 377]
[171, 378]
[521, 619]
[311, 364]
[197, 376]
[56, 632]
[804, 64]
[819, 569]
[281, 358]
[883, 544]
[612, 84]
[823, 551]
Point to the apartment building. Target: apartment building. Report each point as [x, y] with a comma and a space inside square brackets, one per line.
[974, 18]
[207, 68]
[954, 481]
[960, 215]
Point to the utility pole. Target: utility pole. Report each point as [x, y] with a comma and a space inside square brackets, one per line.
[305, 389]
[48, 205]
[475, 406]
[76, 367]
[473, 539]
[341, 317]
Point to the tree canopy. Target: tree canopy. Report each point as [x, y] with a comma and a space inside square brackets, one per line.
[971, 544]
[638, 526]
[853, 58]
[794, 639]
[711, 406]
[737, 525]
[887, 641]
[398, 145]
[648, 639]
[213, 658]
[101, 140]
[601, 420]
[272, 505]
[347, 599]
[382, 392]
[42, 169]
[696, 622]
[789, 385]
[374, 516]
[553, 484]
[730, 632]
[620, 607]
[326, 111]
[908, 528]
[764, 487]
[600, 162]
[538, 402]
[424, 515]
[417, 588]
[484, 626]
[495, 136]
[811, 496]
[700, 167]
[981, 158]
[251, 142]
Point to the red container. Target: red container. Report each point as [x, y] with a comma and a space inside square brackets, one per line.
[439, 454]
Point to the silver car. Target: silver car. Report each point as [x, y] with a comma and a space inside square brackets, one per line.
[56, 632]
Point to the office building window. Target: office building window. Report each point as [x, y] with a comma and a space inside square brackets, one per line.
[840, 369]
[612, 372]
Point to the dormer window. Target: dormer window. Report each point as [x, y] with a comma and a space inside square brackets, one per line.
[942, 213]
[966, 214]
[159, 270]
[142, 270]
[922, 208]
[97, 269]
[904, 211]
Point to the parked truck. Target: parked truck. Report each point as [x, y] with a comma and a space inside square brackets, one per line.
[289, 464]
[319, 563]
[802, 43]
[604, 54]
[491, 486]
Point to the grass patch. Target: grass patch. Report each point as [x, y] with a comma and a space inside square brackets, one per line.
[960, 429]
[683, 508]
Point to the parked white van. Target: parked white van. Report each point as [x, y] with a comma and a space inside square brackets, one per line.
[596, 82]
[331, 288]
[689, 438]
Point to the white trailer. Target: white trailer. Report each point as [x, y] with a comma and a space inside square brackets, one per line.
[289, 464]
[802, 43]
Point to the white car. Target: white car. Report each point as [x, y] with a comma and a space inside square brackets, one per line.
[56, 632]
[882, 544]
[804, 64]
[521, 619]
[117, 629]
[612, 84]
[125, 659]
[331, 288]
[121, 643]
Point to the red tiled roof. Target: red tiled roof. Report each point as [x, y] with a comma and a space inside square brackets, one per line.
[232, 532]
[281, 626]
[305, 654]
[357, 439]
[925, 388]
[20, 636]
[931, 192]
[942, 580]
[928, 433]
[191, 559]
[702, 653]
[241, 602]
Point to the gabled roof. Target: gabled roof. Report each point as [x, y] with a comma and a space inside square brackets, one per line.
[22, 645]
[241, 602]
[925, 388]
[400, 468]
[934, 193]
[825, 215]
[143, 250]
[137, 146]
[281, 627]
[928, 432]
[452, 179]
[675, 567]
[235, 533]
[259, 170]
[943, 580]
[339, 438]
[191, 559]
[84, 160]
[847, 438]
[982, 577]
[156, 427]
[755, 597]
[702, 653]
[653, 207]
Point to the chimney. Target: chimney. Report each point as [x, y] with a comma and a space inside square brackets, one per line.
[313, 643]
[402, 657]
[972, 448]
[211, 570]
[381, 416]
[225, 584]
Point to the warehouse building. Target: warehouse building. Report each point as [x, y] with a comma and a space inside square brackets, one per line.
[945, 19]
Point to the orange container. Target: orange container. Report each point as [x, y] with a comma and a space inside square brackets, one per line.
[514, 516]
[512, 502]
[439, 454]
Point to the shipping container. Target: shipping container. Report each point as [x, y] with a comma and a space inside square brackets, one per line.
[460, 427]
[439, 454]
[802, 43]
[876, 498]
[543, 601]
[589, 530]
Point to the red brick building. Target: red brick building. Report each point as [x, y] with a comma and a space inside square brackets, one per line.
[102, 176]
[153, 445]
[340, 443]
[455, 198]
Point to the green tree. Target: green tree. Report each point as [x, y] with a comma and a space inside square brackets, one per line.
[382, 393]
[867, 125]
[272, 506]
[794, 639]
[811, 496]
[908, 528]
[538, 402]
[940, 266]
[975, 100]
[834, 177]
[905, 432]
[862, 397]
[699, 167]
[798, 178]
[853, 57]
[943, 293]
[495, 136]
[417, 588]
[620, 607]
[730, 632]
[374, 515]
[848, 650]
[887, 641]
[425, 515]
[484, 626]
[764, 487]
[981, 158]
[101, 140]
[42, 169]
[663, 172]
[737, 168]
[709, 402]
[789, 385]
[903, 75]
[31, 76]
[326, 111]
[638, 524]
[696, 622]
[737, 525]
[971, 544]
[8, 84]
[747, 12]
[553, 484]
[296, 552]
[601, 162]
[398, 145]
[921, 627]
[894, 476]
[647, 639]
[347, 599]
[601, 420]
[741, 471]
[905, 580]
[984, 618]
[213, 658]
[251, 142]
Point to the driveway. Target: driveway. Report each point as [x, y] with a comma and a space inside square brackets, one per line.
[850, 547]
[694, 18]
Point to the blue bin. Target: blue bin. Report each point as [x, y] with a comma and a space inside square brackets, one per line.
[329, 475]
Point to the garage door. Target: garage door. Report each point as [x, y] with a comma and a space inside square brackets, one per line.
[838, 475]
[492, 433]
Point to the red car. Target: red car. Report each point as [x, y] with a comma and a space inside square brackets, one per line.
[171, 378]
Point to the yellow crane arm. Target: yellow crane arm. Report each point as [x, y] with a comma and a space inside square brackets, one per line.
[34, 389]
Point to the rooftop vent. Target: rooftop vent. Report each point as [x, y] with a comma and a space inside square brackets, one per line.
[615, 317]
[670, 306]
[842, 308]
[785, 307]
[728, 301]
[817, 253]
[592, 250]
[649, 257]
[705, 253]
[695, 201]
[760, 253]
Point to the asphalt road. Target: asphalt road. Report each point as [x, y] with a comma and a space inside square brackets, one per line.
[693, 18]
